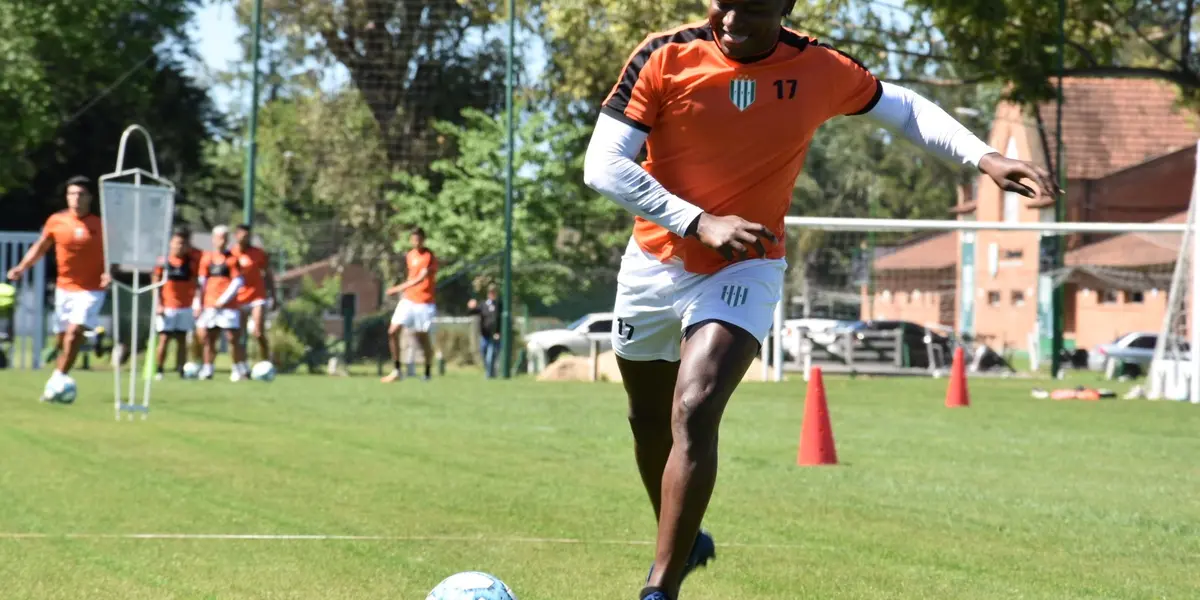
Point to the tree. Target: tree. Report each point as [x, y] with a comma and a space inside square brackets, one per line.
[412, 62]
[62, 59]
[564, 230]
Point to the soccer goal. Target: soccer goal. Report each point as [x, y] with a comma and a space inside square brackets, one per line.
[137, 208]
[896, 297]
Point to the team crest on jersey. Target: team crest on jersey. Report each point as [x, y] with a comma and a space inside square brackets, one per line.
[742, 92]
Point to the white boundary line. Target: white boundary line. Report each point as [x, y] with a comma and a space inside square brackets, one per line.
[347, 538]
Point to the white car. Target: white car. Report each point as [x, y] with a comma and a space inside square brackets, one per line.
[820, 331]
[575, 338]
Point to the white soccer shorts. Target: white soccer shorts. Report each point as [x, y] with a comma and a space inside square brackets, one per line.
[77, 308]
[254, 304]
[414, 317]
[219, 318]
[175, 320]
[656, 302]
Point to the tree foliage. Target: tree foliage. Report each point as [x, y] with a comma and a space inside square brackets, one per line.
[564, 231]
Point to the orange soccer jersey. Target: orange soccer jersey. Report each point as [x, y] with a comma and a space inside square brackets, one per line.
[422, 293]
[78, 250]
[181, 279]
[731, 137]
[219, 269]
[252, 264]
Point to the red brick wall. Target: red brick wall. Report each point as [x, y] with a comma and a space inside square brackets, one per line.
[919, 296]
[355, 280]
[1099, 323]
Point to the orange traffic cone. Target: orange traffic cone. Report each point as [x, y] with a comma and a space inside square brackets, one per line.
[957, 394]
[816, 435]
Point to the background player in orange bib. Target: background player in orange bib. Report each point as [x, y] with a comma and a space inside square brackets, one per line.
[416, 309]
[178, 299]
[77, 236]
[257, 294]
[726, 109]
[220, 280]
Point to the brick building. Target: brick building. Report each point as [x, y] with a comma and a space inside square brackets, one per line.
[360, 287]
[1130, 157]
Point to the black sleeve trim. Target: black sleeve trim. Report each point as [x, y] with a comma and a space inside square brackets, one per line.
[622, 117]
[874, 100]
[629, 77]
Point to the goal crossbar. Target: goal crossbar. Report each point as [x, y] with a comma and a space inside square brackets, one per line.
[864, 225]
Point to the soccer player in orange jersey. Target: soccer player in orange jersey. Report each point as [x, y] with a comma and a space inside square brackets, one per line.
[257, 294]
[416, 309]
[726, 109]
[77, 236]
[220, 280]
[178, 299]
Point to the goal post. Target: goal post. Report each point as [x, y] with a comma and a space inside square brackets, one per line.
[137, 208]
[934, 285]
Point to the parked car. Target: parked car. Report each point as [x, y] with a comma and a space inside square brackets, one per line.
[918, 339]
[575, 338]
[1132, 352]
[820, 331]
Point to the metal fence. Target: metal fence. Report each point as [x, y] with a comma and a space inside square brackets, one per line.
[23, 330]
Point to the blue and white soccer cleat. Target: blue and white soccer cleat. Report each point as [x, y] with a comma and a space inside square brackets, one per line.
[704, 549]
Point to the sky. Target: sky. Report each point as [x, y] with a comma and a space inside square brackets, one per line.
[214, 29]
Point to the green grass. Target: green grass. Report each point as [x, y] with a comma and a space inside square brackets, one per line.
[1011, 498]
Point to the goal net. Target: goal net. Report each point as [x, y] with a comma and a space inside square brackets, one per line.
[882, 296]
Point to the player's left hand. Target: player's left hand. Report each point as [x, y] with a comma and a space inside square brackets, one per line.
[1008, 174]
[105, 280]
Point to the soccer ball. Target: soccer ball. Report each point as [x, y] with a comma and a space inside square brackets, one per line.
[471, 585]
[191, 370]
[59, 389]
[262, 371]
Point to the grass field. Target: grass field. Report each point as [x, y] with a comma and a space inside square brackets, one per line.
[535, 482]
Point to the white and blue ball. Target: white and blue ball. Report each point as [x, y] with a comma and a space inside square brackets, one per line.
[59, 389]
[262, 371]
[191, 370]
[471, 585]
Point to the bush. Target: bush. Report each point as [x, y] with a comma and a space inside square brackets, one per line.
[289, 351]
[459, 343]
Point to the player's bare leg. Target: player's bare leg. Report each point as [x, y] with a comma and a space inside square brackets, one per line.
[650, 386]
[237, 351]
[72, 341]
[259, 315]
[209, 340]
[160, 354]
[423, 338]
[714, 358]
[181, 350]
[394, 332]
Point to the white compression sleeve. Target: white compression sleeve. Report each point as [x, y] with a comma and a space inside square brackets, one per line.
[227, 295]
[609, 168]
[928, 125]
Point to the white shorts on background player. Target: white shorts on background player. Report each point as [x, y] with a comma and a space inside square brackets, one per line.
[220, 318]
[414, 316]
[77, 308]
[657, 301]
[175, 320]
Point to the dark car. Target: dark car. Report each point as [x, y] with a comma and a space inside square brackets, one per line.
[919, 342]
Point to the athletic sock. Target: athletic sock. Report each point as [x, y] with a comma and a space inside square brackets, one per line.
[412, 370]
[428, 370]
[397, 363]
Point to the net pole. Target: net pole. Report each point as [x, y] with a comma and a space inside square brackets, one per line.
[506, 304]
[252, 134]
[777, 349]
[1194, 346]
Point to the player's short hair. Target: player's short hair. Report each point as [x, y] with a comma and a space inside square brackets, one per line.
[182, 232]
[243, 227]
[417, 231]
[79, 180]
[220, 230]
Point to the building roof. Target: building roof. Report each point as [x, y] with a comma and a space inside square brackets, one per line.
[308, 269]
[1131, 250]
[935, 252]
[1114, 124]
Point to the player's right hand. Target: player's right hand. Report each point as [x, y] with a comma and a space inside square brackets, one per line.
[732, 235]
[15, 273]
